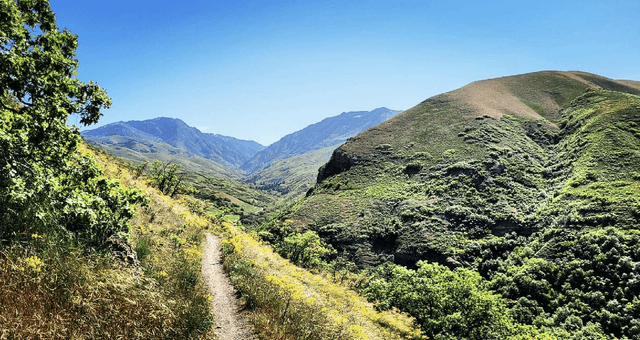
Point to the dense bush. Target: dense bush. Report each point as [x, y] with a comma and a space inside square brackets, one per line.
[448, 304]
[45, 186]
[573, 279]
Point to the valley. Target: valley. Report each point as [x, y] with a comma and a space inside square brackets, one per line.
[504, 180]
[506, 208]
[232, 167]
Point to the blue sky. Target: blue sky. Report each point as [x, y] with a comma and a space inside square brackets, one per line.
[262, 69]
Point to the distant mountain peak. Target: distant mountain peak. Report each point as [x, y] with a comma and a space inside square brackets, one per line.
[331, 131]
[176, 133]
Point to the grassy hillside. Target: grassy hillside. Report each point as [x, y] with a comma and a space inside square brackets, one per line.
[473, 177]
[470, 164]
[56, 289]
[154, 290]
[141, 150]
[291, 176]
[163, 134]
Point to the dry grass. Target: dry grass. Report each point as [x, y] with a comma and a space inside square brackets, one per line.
[288, 302]
[51, 291]
[75, 297]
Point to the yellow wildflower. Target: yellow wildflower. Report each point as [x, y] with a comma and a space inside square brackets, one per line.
[34, 263]
[161, 276]
[193, 253]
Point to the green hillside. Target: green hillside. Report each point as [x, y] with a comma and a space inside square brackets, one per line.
[292, 176]
[478, 162]
[510, 177]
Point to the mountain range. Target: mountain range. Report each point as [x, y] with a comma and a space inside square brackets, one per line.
[296, 157]
[173, 136]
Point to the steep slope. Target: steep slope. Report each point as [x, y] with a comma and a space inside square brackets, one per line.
[290, 164]
[529, 180]
[291, 176]
[466, 165]
[173, 136]
[330, 131]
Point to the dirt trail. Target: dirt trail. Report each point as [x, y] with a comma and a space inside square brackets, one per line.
[229, 323]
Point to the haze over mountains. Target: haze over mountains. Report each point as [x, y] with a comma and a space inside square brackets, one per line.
[170, 138]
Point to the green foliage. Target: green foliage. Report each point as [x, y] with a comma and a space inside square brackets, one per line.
[580, 281]
[45, 185]
[596, 162]
[448, 304]
[305, 249]
[142, 247]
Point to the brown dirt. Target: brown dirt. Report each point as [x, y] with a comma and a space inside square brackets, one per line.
[230, 325]
[491, 98]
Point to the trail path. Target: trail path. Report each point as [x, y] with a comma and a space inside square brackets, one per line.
[229, 323]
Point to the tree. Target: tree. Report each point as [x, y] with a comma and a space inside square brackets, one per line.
[44, 184]
[305, 249]
[448, 304]
[167, 177]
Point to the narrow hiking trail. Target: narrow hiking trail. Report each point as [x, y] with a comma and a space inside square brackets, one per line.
[229, 323]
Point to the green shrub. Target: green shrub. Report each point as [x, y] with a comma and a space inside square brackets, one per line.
[306, 249]
[448, 304]
[142, 248]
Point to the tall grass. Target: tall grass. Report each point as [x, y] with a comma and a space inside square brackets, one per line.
[56, 290]
[288, 302]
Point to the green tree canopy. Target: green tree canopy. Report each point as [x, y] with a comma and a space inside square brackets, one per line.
[45, 185]
[448, 304]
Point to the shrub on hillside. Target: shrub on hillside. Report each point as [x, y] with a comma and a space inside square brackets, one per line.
[45, 186]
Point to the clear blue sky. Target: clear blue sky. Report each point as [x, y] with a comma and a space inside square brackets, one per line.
[262, 69]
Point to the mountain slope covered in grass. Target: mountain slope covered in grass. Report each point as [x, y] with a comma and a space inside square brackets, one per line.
[290, 164]
[529, 180]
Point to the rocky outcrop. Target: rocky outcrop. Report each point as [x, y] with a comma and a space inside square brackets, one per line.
[122, 252]
[340, 161]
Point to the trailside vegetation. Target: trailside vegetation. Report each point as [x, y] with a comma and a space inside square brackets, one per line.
[541, 214]
[45, 186]
[68, 270]
[168, 178]
[284, 301]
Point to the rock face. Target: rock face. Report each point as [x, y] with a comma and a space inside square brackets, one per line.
[339, 162]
